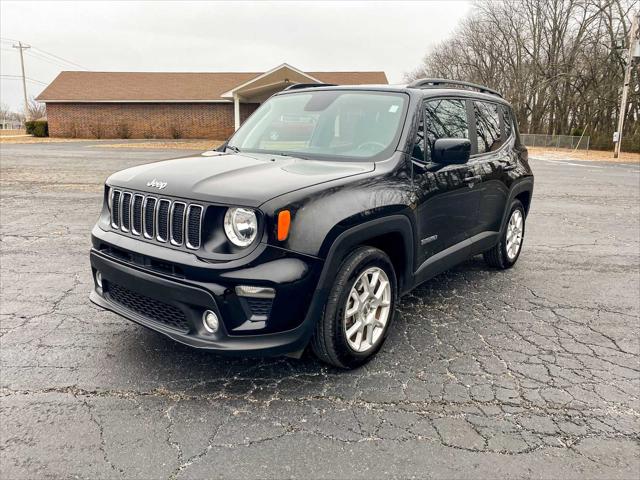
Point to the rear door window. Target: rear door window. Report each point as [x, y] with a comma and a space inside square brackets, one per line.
[506, 118]
[487, 126]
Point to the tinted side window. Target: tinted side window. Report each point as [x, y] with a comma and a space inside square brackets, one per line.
[418, 144]
[445, 119]
[506, 117]
[487, 126]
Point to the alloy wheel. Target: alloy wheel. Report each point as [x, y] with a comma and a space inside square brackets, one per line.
[515, 230]
[367, 310]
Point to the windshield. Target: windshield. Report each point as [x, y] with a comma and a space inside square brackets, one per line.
[339, 124]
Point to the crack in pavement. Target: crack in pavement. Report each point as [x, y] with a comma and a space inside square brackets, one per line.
[540, 363]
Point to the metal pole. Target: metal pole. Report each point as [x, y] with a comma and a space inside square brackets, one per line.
[236, 112]
[24, 80]
[583, 130]
[625, 87]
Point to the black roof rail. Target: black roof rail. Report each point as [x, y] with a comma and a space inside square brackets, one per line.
[297, 86]
[439, 82]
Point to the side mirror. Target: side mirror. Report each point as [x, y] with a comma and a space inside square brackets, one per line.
[451, 151]
[222, 147]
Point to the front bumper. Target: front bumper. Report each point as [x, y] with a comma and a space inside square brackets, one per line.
[155, 290]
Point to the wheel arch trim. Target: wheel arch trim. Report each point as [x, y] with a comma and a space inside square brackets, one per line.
[359, 234]
[523, 185]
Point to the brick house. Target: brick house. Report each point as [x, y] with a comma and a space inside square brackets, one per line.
[170, 105]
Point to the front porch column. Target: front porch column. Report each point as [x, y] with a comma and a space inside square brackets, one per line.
[236, 111]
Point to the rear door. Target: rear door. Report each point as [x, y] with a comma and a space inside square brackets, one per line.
[491, 161]
[448, 195]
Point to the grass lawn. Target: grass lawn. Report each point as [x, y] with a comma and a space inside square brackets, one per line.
[590, 155]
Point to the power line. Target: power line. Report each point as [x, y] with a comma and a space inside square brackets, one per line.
[44, 53]
[60, 58]
[46, 59]
[17, 77]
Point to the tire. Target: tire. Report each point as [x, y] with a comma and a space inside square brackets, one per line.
[498, 256]
[330, 341]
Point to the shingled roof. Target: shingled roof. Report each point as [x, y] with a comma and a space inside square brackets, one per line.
[170, 87]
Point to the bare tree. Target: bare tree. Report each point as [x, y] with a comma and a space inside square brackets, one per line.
[5, 112]
[37, 109]
[9, 116]
[559, 62]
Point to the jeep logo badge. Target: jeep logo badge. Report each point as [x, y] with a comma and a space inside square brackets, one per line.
[157, 184]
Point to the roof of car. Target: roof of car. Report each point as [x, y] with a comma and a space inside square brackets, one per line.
[424, 92]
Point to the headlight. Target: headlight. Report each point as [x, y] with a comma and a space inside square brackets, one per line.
[241, 226]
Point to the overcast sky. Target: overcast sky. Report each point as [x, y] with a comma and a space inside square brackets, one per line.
[217, 36]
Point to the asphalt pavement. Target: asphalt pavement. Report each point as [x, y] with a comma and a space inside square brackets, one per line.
[528, 373]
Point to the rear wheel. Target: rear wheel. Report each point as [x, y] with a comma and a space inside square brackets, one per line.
[359, 310]
[506, 252]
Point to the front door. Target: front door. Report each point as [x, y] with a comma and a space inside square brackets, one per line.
[448, 195]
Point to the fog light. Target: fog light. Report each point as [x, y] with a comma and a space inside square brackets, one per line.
[210, 321]
[99, 278]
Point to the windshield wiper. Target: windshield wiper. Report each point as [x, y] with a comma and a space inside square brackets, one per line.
[281, 154]
[233, 148]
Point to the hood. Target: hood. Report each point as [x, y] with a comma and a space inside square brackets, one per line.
[234, 179]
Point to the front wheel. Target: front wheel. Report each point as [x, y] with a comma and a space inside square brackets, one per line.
[359, 310]
[506, 252]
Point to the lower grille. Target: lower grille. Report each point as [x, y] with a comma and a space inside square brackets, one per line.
[260, 307]
[148, 307]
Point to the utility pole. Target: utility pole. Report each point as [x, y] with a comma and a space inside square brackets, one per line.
[631, 45]
[22, 47]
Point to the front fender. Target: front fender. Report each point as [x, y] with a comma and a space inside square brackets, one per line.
[338, 247]
[320, 213]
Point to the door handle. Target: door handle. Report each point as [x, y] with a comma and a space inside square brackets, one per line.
[507, 167]
[474, 179]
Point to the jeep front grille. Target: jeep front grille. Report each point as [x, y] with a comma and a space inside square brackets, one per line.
[194, 217]
[157, 219]
[126, 212]
[115, 209]
[149, 216]
[162, 220]
[177, 223]
[136, 223]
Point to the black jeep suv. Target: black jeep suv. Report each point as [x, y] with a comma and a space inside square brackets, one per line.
[309, 223]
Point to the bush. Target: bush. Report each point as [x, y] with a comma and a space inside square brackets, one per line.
[123, 131]
[37, 128]
[72, 130]
[175, 132]
[97, 130]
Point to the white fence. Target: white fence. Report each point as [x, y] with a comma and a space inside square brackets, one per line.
[555, 141]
